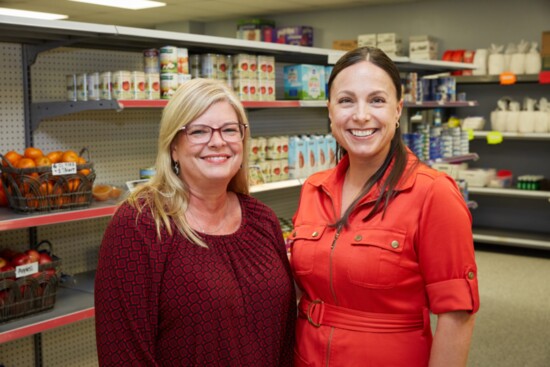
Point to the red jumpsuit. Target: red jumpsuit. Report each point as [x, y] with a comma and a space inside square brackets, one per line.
[368, 288]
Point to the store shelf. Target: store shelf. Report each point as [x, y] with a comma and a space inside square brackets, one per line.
[440, 104]
[506, 192]
[494, 79]
[515, 136]
[247, 104]
[456, 159]
[10, 220]
[72, 305]
[512, 238]
[276, 186]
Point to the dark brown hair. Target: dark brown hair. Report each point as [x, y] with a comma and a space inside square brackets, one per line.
[397, 152]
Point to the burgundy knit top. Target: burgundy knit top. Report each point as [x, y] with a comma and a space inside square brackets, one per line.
[170, 302]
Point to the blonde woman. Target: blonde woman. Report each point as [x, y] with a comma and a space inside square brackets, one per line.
[192, 270]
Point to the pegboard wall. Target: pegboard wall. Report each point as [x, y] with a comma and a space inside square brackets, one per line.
[119, 144]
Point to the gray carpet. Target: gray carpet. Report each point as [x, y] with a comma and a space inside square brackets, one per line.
[513, 324]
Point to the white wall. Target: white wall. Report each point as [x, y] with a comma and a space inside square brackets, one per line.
[467, 24]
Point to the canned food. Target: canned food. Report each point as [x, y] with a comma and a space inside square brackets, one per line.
[208, 66]
[168, 85]
[93, 86]
[138, 85]
[152, 86]
[105, 85]
[183, 61]
[71, 87]
[241, 65]
[221, 67]
[169, 59]
[122, 82]
[262, 146]
[151, 61]
[82, 87]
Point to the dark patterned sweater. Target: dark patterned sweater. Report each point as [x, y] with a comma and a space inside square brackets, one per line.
[170, 302]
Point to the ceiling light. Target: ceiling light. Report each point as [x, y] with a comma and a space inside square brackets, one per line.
[31, 14]
[126, 4]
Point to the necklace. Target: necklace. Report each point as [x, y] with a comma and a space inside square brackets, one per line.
[213, 231]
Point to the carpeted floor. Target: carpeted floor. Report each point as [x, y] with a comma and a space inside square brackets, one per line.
[513, 323]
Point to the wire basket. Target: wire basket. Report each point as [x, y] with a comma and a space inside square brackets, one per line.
[38, 189]
[29, 294]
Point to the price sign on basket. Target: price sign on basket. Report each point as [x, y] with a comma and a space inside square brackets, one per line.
[64, 168]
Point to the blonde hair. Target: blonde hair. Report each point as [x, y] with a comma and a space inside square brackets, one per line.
[166, 195]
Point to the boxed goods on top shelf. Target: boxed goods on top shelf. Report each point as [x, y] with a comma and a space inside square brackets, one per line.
[36, 182]
[28, 281]
[256, 30]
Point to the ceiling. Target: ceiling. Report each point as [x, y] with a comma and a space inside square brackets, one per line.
[185, 10]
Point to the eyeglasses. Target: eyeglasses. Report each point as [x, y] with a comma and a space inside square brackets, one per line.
[232, 132]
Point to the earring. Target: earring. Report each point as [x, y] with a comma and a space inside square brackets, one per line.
[397, 125]
[177, 168]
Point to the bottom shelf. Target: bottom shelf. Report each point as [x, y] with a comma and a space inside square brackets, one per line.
[512, 238]
[74, 302]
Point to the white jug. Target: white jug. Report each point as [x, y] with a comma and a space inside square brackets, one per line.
[517, 63]
[526, 121]
[496, 64]
[532, 63]
[480, 62]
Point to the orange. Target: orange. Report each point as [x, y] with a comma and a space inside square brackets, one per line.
[13, 157]
[101, 192]
[33, 153]
[27, 163]
[85, 171]
[69, 156]
[43, 161]
[55, 157]
[73, 184]
[46, 188]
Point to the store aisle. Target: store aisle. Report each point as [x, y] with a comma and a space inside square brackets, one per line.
[513, 323]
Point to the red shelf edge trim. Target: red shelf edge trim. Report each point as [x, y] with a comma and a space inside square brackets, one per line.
[46, 325]
[60, 217]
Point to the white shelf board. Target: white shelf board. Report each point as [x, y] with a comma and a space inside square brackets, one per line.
[529, 194]
[275, 185]
[512, 238]
[518, 136]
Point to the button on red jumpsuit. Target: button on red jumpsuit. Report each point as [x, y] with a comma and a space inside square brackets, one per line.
[368, 287]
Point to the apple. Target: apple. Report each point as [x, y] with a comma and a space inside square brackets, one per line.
[44, 258]
[7, 268]
[3, 262]
[33, 255]
[20, 259]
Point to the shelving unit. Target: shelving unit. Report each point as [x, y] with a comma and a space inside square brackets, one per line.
[75, 301]
[508, 216]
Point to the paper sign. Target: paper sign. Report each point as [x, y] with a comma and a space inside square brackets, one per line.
[65, 168]
[27, 269]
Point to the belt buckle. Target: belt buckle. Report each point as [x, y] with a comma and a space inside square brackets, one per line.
[309, 311]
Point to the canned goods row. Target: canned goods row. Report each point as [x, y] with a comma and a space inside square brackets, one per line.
[254, 89]
[269, 171]
[227, 67]
[268, 148]
[112, 85]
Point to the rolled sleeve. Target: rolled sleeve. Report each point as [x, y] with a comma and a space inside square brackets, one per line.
[455, 294]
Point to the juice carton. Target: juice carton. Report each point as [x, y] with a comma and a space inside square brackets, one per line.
[304, 82]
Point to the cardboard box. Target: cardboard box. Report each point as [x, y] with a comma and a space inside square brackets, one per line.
[299, 35]
[423, 56]
[366, 40]
[344, 45]
[423, 46]
[391, 47]
[304, 82]
[387, 37]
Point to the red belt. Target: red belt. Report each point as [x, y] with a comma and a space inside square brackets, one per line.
[319, 313]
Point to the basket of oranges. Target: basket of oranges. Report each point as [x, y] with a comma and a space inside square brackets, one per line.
[35, 182]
